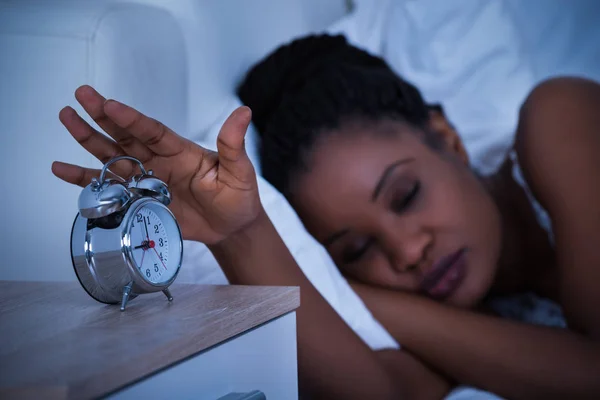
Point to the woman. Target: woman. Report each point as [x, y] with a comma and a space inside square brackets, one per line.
[382, 180]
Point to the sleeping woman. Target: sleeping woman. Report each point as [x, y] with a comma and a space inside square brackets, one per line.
[382, 180]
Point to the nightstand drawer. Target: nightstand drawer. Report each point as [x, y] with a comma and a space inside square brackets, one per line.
[261, 359]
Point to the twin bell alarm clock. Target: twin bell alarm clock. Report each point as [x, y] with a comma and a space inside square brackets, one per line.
[125, 241]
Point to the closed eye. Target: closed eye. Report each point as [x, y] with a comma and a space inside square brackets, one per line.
[352, 255]
[402, 203]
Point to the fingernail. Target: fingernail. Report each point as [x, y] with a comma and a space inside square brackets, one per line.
[245, 112]
[84, 90]
[66, 110]
[56, 167]
[66, 114]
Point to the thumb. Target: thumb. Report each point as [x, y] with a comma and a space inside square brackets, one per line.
[230, 144]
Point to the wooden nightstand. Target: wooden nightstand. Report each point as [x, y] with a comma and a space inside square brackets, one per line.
[210, 342]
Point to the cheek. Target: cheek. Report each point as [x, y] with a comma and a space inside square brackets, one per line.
[459, 199]
[479, 212]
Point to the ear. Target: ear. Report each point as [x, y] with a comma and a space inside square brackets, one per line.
[447, 135]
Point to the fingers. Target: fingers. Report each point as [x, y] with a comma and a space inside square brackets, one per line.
[230, 145]
[153, 134]
[74, 174]
[90, 139]
[93, 141]
[93, 104]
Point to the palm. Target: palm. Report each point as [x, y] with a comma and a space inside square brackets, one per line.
[214, 194]
[210, 201]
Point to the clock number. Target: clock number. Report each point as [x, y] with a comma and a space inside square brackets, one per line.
[148, 272]
[139, 218]
[155, 228]
[155, 267]
[160, 242]
[161, 257]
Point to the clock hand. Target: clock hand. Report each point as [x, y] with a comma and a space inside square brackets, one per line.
[142, 227]
[146, 226]
[157, 255]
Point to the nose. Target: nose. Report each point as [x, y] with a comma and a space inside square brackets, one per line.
[408, 247]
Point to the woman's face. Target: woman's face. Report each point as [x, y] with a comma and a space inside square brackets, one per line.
[396, 213]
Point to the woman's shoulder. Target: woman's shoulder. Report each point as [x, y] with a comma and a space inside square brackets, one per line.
[557, 141]
[557, 146]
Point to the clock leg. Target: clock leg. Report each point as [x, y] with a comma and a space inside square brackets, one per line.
[168, 294]
[126, 291]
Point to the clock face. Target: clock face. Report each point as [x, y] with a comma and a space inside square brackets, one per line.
[155, 242]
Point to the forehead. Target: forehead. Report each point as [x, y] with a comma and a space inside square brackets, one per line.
[345, 168]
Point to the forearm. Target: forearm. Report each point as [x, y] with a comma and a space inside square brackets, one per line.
[512, 359]
[333, 361]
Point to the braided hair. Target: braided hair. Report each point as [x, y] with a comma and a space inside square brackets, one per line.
[314, 85]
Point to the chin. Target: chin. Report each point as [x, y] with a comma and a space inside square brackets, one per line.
[472, 292]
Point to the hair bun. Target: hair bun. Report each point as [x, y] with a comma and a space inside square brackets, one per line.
[289, 68]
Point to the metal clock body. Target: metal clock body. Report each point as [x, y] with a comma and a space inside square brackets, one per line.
[125, 241]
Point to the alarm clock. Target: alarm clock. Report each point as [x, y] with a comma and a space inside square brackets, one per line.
[125, 241]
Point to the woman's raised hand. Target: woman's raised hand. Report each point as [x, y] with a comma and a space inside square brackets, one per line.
[214, 194]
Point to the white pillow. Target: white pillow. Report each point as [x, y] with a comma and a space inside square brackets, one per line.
[561, 36]
[469, 56]
[199, 266]
[366, 25]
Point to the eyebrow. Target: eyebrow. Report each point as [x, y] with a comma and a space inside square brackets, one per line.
[380, 185]
[385, 176]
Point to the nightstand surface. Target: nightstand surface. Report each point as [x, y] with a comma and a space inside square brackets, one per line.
[59, 342]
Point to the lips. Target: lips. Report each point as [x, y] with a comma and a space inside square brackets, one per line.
[445, 276]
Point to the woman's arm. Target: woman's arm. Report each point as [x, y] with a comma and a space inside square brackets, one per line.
[514, 360]
[558, 143]
[334, 362]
